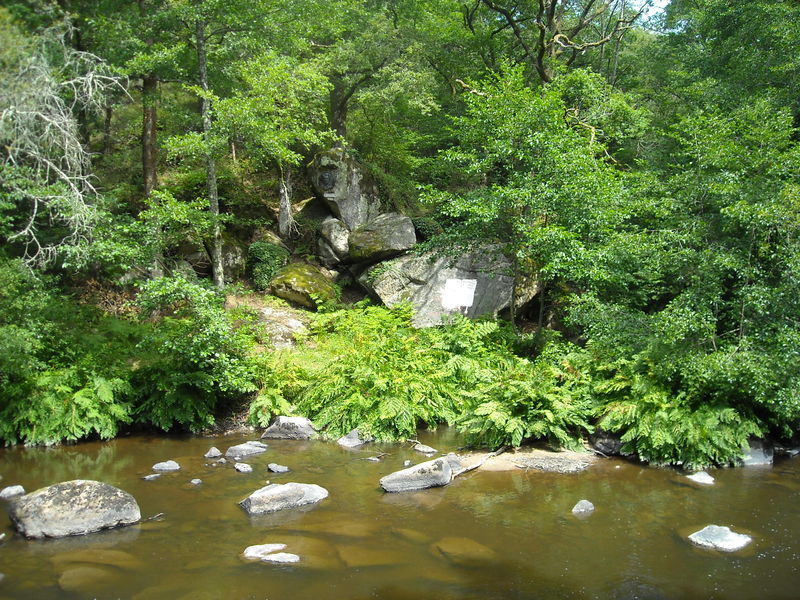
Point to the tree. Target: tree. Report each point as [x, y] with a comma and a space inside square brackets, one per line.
[46, 170]
[535, 181]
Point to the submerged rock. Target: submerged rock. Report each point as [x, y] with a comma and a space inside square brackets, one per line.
[433, 473]
[246, 449]
[169, 465]
[73, 508]
[583, 507]
[12, 491]
[352, 440]
[462, 551]
[701, 477]
[87, 579]
[289, 428]
[276, 496]
[720, 538]
[213, 452]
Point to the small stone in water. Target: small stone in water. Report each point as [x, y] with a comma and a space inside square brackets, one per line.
[169, 465]
[260, 551]
[222, 461]
[243, 468]
[424, 449]
[196, 481]
[374, 459]
[720, 538]
[276, 468]
[151, 477]
[701, 477]
[583, 507]
[213, 452]
[406, 463]
[12, 491]
[281, 557]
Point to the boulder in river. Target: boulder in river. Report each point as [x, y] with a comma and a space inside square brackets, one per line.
[168, 465]
[276, 496]
[352, 440]
[433, 473]
[289, 428]
[701, 477]
[73, 508]
[276, 468]
[720, 538]
[213, 452]
[243, 468]
[246, 449]
[12, 491]
[424, 449]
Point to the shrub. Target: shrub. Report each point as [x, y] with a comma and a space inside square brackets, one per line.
[265, 259]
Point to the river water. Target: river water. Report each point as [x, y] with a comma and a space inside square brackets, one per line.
[507, 534]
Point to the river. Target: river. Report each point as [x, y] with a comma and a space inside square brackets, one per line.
[512, 533]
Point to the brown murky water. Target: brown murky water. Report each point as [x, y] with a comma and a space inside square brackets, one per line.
[522, 541]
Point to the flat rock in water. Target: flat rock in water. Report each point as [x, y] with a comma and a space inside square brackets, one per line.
[246, 449]
[276, 496]
[98, 556]
[12, 491]
[151, 477]
[720, 538]
[462, 551]
[701, 477]
[433, 473]
[424, 449]
[281, 558]
[276, 468]
[169, 465]
[213, 452]
[289, 428]
[258, 552]
[87, 580]
[243, 468]
[583, 507]
[352, 440]
[73, 508]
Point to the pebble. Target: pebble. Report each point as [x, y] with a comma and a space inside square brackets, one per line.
[583, 507]
[243, 468]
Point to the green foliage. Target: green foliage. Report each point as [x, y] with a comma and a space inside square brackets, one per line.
[264, 260]
[196, 356]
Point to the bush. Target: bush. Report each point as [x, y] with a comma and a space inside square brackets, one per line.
[265, 260]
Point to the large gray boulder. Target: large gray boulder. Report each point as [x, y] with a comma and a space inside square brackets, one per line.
[339, 181]
[276, 496]
[73, 508]
[474, 284]
[433, 473]
[289, 428]
[383, 237]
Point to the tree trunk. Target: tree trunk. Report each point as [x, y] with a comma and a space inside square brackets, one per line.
[107, 142]
[149, 144]
[514, 292]
[217, 268]
[285, 208]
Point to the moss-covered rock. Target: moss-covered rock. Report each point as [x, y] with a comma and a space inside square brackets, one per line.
[303, 284]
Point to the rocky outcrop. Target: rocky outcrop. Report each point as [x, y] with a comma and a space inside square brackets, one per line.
[303, 284]
[473, 284]
[383, 237]
[339, 181]
[433, 473]
[334, 242]
[605, 442]
[289, 428]
[73, 508]
[276, 496]
[720, 538]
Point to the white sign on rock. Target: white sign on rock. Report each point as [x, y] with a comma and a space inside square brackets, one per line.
[458, 293]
